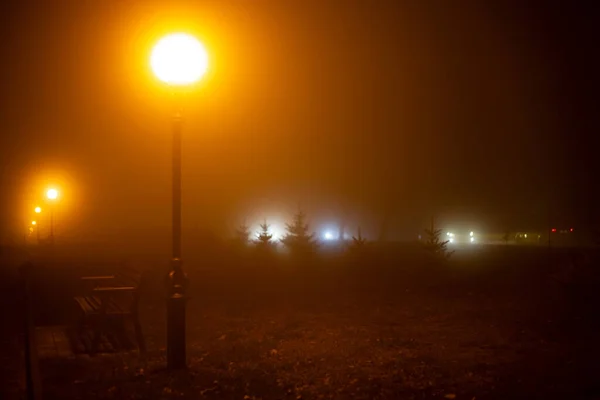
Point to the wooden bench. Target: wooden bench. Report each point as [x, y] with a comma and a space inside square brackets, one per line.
[109, 301]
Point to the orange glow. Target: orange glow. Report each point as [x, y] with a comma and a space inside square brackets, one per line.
[52, 194]
[33, 222]
[38, 210]
[179, 59]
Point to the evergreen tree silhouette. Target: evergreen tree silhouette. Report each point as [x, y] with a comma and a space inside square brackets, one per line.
[242, 235]
[264, 239]
[434, 244]
[298, 239]
[358, 243]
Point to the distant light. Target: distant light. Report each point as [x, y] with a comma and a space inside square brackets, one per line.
[33, 222]
[472, 239]
[52, 194]
[328, 236]
[471, 234]
[275, 229]
[571, 229]
[553, 229]
[525, 236]
[38, 210]
[451, 240]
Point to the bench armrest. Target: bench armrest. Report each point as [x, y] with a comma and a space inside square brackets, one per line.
[114, 289]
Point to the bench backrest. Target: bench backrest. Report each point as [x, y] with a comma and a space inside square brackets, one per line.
[127, 276]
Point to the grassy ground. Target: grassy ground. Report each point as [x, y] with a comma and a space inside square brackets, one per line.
[494, 324]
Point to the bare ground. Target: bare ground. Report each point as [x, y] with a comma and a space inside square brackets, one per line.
[487, 330]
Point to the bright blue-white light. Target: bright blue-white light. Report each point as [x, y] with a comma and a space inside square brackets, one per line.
[328, 236]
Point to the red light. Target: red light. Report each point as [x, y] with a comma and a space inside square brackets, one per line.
[571, 229]
[553, 229]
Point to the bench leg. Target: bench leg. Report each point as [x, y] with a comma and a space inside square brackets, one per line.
[99, 328]
[81, 326]
[96, 341]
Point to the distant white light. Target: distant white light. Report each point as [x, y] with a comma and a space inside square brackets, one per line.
[276, 228]
[328, 236]
[451, 240]
[525, 236]
[472, 240]
[277, 233]
[471, 234]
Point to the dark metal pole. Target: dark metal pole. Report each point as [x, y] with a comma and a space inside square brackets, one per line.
[176, 302]
[177, 125]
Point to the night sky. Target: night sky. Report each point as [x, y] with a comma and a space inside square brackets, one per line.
[359, 111]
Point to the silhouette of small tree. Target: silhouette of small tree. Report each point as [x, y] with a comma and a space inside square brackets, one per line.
[264, 239]
[242, 235]
[297, 238]
[435, 245]
[358, 242]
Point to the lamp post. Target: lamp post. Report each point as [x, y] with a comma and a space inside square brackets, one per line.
[37, 211]
[37, 229]
[179, 60]
[52, 195]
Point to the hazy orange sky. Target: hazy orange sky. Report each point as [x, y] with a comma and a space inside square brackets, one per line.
[357, 110]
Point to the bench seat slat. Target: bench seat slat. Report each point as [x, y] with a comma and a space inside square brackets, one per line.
[94, 302]
[85, 306]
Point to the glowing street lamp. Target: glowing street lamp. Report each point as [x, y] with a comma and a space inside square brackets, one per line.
[178, 60]
[52, 194]
[37, 210]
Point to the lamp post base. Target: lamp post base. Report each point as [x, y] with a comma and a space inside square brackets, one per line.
[176, 341]
[176, 308]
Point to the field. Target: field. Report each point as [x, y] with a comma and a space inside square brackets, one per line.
[503, 322]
